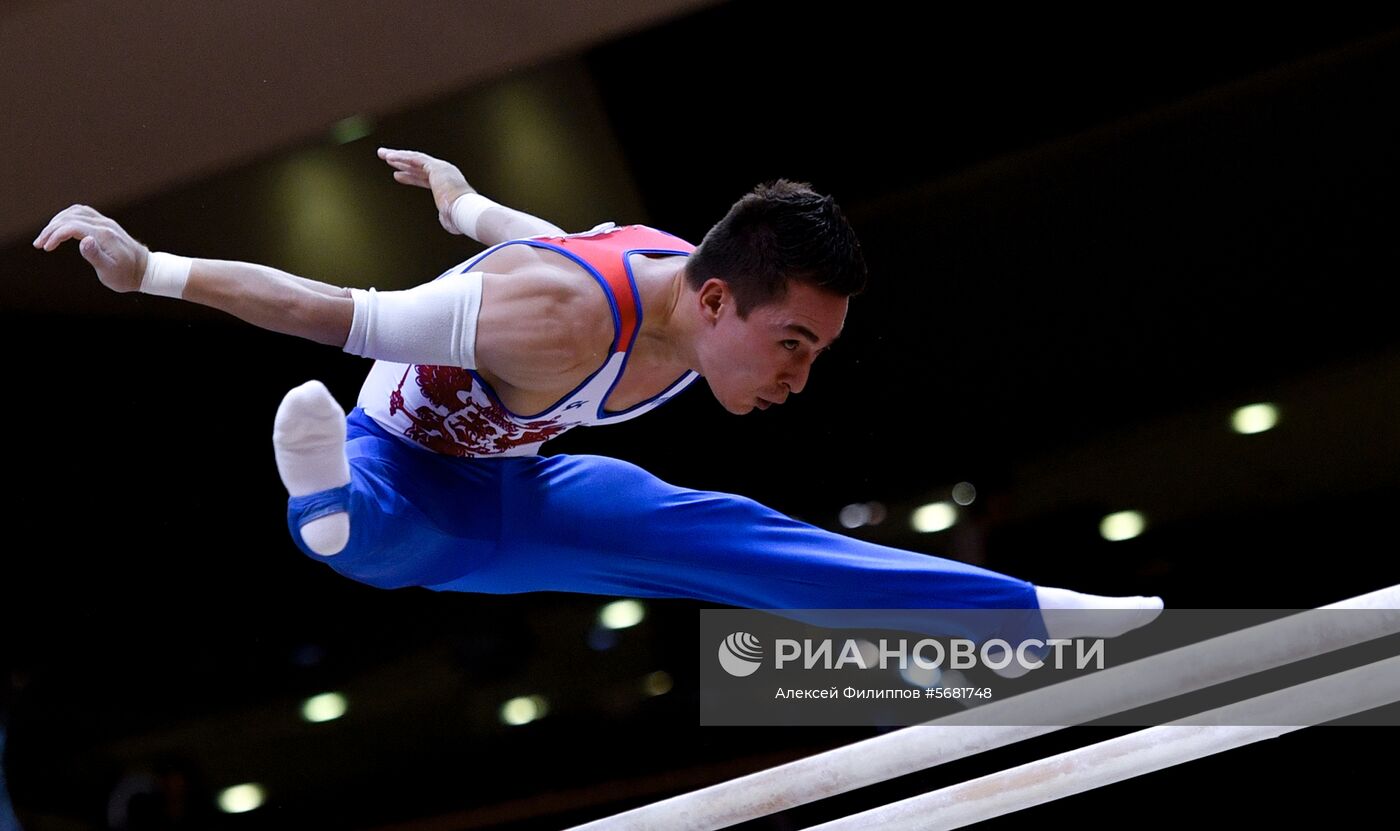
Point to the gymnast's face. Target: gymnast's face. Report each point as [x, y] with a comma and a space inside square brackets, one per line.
[755, 363]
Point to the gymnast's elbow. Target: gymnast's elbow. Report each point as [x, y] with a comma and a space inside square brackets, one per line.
[323, 318]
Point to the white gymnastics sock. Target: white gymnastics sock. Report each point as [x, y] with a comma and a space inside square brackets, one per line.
[1071, 614]
[308, 437]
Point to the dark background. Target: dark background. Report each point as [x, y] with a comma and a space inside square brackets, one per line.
[1090, 240]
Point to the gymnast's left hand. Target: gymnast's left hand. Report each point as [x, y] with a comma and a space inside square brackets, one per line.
[118, 259]
[444, 179]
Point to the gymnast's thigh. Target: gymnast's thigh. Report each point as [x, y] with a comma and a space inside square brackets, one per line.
[581, 520]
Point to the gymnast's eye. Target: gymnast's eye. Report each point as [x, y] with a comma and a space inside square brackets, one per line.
[792, 347]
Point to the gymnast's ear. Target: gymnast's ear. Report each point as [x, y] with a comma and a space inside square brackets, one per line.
[713, 296]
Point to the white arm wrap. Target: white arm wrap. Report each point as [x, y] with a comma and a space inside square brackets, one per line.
[466, 213]
[166, 274]
[432, 324]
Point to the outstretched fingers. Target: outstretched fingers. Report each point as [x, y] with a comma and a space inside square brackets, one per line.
[387, 154]
[76, 221]
[75, 228]
[402, 159]
[409, 168]
[410, 177]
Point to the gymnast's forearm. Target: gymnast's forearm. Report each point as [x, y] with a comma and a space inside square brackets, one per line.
[491, 223]
[272, 299]
[499, 223]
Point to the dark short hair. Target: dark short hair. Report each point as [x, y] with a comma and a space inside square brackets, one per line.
[780, 231]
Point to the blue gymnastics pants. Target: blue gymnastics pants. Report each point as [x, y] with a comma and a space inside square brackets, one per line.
[597, 525]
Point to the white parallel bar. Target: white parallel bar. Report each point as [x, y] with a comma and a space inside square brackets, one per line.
[1075, 771]
[1152, 679]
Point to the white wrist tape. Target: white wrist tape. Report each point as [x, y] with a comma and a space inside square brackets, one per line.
[166, 274]
[433, 324]
[467, 211]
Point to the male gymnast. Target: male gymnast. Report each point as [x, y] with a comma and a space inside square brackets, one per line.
[434, 478]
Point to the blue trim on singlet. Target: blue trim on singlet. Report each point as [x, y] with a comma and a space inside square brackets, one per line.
[636, 332]
[689, 376]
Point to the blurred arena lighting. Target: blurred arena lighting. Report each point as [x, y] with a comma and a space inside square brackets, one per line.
[926, 677]
[351, 129]
[869, 653]
[542, 149]
[964, 493]
[855, 515]
[954, 679]
[524, 709]
[936, 516]
[1255, 418]
[323, 707]
[241, 798]
[621, 614]
[657, 683]
[861, 513]
[316, 198]
[1123, 525]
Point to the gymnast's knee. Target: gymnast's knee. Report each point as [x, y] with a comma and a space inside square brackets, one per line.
[356, 560]
[380, 553]
[347, 545]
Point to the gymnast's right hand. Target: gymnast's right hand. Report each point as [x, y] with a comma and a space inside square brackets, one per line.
[120, 261]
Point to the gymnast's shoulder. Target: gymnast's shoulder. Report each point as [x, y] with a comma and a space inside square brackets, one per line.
[541, 323]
